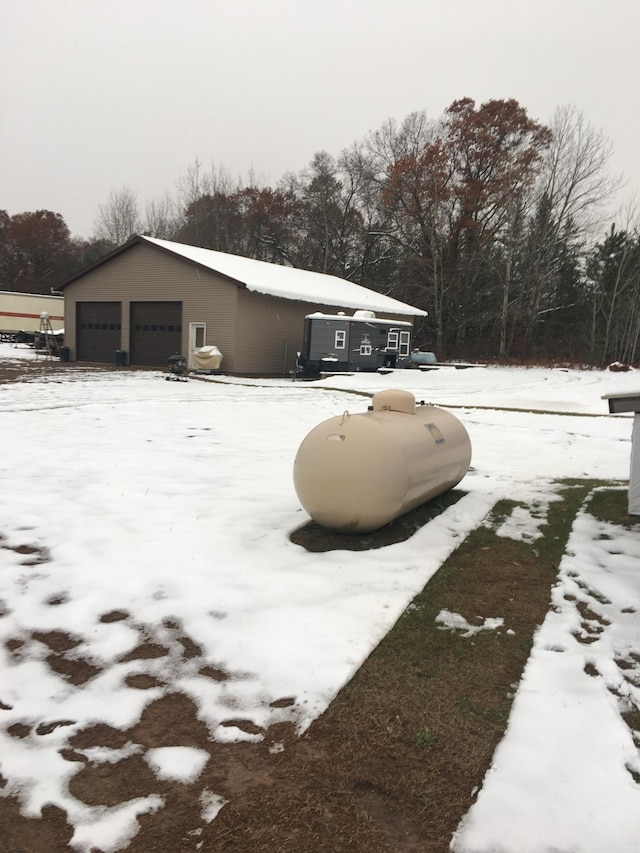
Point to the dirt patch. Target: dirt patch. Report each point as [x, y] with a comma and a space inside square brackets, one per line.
[146, 651]
[57, 641]
[34, 554]
[27, 371]
[17, 835]
[170, 721]
[76, 670]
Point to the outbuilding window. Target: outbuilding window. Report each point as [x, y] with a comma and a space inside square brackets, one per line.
[341, 339]
[400, 341]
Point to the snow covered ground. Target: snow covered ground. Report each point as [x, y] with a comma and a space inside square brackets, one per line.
[174, 502]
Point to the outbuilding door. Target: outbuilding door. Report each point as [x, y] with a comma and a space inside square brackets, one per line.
[197, 339]
[98, 329]
[156, 332]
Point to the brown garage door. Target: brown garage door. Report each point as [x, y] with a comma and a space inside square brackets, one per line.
[98, 326]
[156, 332]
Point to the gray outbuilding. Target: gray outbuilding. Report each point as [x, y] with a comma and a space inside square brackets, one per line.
[151, 299]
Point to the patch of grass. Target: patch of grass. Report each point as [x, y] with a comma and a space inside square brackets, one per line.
[421, 718]
[460, 687]
[612, 505]
[494, 716]
[500, 513]
[425, 737]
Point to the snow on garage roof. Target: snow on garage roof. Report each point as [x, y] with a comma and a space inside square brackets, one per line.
[289, 282]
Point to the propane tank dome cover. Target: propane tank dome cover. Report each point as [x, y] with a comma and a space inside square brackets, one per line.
[394, 400]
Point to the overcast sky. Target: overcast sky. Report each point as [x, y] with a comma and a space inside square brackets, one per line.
[97, 95]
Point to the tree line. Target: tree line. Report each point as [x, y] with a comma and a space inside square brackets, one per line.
[492, 222]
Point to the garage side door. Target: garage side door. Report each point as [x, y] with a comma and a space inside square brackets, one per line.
[98, 326]
[156, 332]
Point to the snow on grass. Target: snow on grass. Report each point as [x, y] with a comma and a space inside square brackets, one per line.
[566, 775]
[521, 525]
[111, 829]
[211, 804]
[456, 622]
[170, 505]
[179, 763]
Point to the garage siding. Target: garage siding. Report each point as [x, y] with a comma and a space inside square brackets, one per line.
[270, 332]
[145, 273]
[215, 303]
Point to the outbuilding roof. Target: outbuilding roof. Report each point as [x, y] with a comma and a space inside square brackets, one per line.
[289, 282]
[273, 279]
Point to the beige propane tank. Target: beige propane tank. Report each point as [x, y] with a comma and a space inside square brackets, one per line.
[358, 472]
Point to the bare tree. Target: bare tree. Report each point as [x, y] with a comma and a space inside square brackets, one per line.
[197, 182]
[118, 219]
[162, 218]
[568, 207]
[575, 177]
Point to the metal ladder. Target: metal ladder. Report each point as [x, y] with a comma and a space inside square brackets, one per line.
[45, 331]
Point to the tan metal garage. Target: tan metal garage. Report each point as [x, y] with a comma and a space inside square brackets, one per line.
[151, 299]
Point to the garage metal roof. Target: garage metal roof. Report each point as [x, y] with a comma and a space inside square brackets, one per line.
[288, 282]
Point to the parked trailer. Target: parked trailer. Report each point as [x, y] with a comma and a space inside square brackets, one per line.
[337, 343]
[22, 312]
